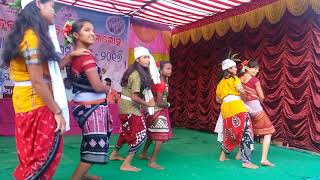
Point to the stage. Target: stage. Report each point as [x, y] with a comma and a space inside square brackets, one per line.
[190, 155]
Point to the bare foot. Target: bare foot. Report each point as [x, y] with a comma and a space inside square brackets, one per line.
[238, 156]
[129, 168]
[266, 163]
[144, 157]
[250, 166]
[90, 177]
[156, 166]
[115, 156]
[223, 157]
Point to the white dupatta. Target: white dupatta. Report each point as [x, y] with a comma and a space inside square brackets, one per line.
[59, 92]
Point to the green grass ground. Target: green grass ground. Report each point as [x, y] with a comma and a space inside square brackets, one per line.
[190, 155]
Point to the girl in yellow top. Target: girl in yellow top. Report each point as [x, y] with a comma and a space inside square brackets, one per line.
[237, 128]
[38, 118]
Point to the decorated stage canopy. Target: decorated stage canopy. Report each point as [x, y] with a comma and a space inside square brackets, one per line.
[169, 12]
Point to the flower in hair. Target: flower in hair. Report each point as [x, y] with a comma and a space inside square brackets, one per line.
[67, 28]
[245, 63]
[244, 66]
[158, 65]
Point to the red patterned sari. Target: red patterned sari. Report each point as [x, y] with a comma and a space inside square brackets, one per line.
[158, 124]
[39, 148]
[260, 120]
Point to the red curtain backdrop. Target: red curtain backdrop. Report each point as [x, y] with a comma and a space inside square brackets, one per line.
[289, 56]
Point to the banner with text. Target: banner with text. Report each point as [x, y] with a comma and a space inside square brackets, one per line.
[110, 48]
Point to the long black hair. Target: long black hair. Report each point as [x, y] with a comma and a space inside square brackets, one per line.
[76, 27]
[29, 18]
[224, 74]
[143, 72]
[253, 63]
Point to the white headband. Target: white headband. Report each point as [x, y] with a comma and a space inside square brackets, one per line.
[227, 63]
[141, 51]
[24, 3]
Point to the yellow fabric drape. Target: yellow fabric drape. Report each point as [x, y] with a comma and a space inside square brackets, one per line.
[185, 37]
[208, 31]
[254, 18]
[297, 7]
[166, 36]
[157, 56]
[315, 4]
[272, 13]
[175, 40]
[237, 23]
[275, 11]
[222, 27]
[195, 34]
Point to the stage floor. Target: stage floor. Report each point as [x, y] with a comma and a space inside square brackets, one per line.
[190, 155]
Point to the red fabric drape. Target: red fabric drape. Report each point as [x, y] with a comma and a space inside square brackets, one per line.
[289, 56]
